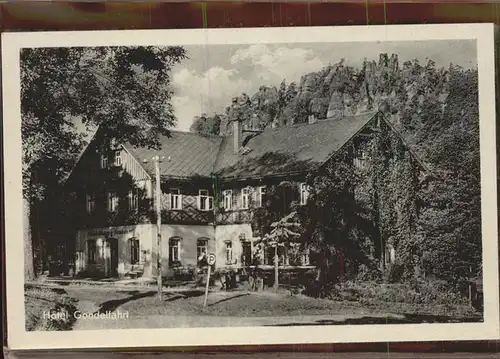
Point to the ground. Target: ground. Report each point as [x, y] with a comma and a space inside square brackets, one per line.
[184, 308]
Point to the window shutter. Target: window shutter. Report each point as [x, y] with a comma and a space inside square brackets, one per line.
[167, 199]
[199, 201]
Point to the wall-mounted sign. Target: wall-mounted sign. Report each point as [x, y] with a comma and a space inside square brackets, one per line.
[109, 232]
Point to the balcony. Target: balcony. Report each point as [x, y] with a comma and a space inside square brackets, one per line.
[235, 217]
[188, 216]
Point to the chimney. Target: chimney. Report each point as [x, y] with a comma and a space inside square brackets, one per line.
[312, 119]
[236, 136]
[336, 106]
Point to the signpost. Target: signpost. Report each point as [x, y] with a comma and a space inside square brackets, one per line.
[210, 262]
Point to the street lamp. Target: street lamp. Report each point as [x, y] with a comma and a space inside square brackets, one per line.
[157, 160]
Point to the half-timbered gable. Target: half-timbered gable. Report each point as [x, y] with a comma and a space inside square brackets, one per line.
[109, 185]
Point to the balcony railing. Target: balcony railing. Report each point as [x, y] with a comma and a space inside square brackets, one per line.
[234, 217]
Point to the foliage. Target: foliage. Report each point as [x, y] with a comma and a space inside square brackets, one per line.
[431, 297]
[39, 300]
[282, 234]
[279, 200]
[204, 124]
[124, 91]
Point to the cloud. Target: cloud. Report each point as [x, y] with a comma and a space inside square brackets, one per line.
[242, 71]
[209, 92]
[278, 63]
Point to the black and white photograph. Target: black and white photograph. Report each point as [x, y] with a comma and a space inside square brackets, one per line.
[195, 185]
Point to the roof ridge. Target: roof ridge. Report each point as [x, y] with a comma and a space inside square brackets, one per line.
[322, 120]
[207, 135]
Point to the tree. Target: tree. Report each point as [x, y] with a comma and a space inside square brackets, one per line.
[450, 226]
[281, 236]
[122, 90]
[206, 125]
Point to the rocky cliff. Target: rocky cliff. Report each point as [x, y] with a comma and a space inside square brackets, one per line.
[340, 90]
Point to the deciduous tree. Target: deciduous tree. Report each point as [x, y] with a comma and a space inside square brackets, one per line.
[123, 90]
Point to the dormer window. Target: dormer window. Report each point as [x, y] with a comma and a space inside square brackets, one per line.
[304, 193]
[205, 202]
[245, 198]
[228, 199]
[104, 160]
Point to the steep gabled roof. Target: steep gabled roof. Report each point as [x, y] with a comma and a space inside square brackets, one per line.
[272, 152]
[289, 149]
[186, 155]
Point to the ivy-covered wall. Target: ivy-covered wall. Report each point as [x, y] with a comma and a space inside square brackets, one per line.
[364, 206]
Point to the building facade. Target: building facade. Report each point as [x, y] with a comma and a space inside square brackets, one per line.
[211, 187]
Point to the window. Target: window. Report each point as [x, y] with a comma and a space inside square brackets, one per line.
[304, 193]
[360, 158]
[305, 258]
[133, 199]
[390, 254]
[268, 255]
[228, 199]
[174, 246]
[229, 252]
[134, 250]
[112, 202]
[205, 202]
[175, 199]
[244, 198]
[104, 160]
[118, 158]
[201, 248]
[90, 203]
[283, 259]
[91, 251]
[260, 196]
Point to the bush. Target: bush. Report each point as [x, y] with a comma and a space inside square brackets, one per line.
[366, 274]
[39, 300]
[184, 273]
[419, 297]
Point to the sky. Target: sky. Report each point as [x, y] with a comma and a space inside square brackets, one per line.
[206, 82]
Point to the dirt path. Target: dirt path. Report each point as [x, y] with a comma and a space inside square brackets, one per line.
[141, 309]
[180, 309]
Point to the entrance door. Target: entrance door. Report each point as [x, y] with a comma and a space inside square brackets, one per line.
[111, 257]
[247, 254]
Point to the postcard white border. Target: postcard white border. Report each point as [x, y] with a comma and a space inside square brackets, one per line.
[18, 338]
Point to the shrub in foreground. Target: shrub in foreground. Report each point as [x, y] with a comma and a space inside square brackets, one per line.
[44, 300]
